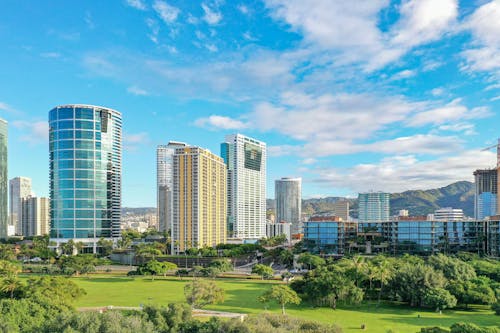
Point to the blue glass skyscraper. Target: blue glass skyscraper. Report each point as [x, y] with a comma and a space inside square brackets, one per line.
[85, 174]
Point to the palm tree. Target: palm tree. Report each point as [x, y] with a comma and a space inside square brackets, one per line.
[359, 268]
[385, 273]
[9, 284]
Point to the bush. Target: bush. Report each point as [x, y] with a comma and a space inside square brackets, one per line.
[496, 307]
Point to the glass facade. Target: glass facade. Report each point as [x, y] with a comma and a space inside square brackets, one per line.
[327, 236]
[85, 173]
[3, 179]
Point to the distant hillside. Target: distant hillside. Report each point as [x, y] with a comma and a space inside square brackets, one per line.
[138, 211]
[418, 202]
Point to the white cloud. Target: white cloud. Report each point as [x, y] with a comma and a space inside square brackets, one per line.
[53, 55]
[404, 172]
[220, 122]
[155, 30]
[192, 19]
[404, 74]
[37, 131]
[353, 33]
[248, 36]
[453, 111]
[135, 90]
[484, 25]
[465, 128]
[132, 141]
[7, 108]
[437, 91]
[167, 13]
[137, 4]
[212, 14]
[211, 47]
[243, 9]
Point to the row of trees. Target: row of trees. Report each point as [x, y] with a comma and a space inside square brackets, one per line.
[439, 282]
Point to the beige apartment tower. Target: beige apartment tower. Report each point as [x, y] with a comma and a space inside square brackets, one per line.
[199, 199]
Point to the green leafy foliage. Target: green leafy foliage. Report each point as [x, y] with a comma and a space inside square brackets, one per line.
[282, 295]
[264, 271]
[200, 293]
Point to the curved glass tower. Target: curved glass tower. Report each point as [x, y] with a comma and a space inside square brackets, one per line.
[85, 174]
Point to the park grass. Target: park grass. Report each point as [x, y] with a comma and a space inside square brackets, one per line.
[241, 296]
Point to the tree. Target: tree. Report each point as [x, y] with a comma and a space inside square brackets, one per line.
[9, 284]
[282, 295]
[411, 281]
[471, 328]
[78, 264]
[9, 268]
[496, 307]
[154, 267]
[475, 291]
[439, 299]
[106, 246]
[221, 265]
[385, 272]
[310, 260]
[265, 272]
[200, 293]
[7, 252]
[453, 269]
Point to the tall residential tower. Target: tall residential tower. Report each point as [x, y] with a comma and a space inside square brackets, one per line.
[199, 199]
[3, 180]
[164, 183]
[85, 174]
[288, 195]
[485, 198]
[19, 188]
[246, 191]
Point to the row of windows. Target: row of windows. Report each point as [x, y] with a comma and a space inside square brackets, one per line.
[70, 113]
[78, 144]
[74, 124]
[81, 184]
[70, 233]
[84, 214]
[78, 164]
[66, 224]
[72, 134]
[99, 204]
[82, 174]
[80, 194]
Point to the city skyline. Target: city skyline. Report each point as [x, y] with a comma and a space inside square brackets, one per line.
[350, 99]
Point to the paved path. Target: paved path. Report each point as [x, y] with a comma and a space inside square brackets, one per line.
[196, 312]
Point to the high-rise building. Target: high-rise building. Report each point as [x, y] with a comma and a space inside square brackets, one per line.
[19, 188]
[3, 180]
[373, 209]
[35, 216]
[341, 209]
[288, 195]
[246, 192]
[85, 174]
[485, 198]
[164, 181]
[199, 199]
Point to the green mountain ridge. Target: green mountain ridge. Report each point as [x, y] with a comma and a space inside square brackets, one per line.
[418, 202]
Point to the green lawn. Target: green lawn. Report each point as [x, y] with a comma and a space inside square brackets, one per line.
[241, 296]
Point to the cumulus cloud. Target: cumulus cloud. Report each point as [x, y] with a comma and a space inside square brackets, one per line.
[6, 108]
[453, 111]
[132, 141]
[34, 132]
[212, 14]
[167, 13]
[137, 4]
[404, 172]
[484, 24]
[135, 90]
[220, 122]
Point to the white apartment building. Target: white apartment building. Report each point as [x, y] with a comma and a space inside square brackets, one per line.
[19, 187]
[245, 158]
[164, 183]
[448, 214]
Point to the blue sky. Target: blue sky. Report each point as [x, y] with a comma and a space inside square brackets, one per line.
[376, 95]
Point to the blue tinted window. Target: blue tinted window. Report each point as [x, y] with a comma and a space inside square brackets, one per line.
[98, 136]
[68, 213]
[84, 224]
[52, 115]
[65, 233]
[85, 214]
[84, 134]
[84, 164]
[67, 204]
[84, 204]
[65, 224]
[65, 113]
[85, 233]
[80, 144]
[66, 173]
[65, 154]
[65, 164]
[65, 144]
[65, 124]
[66, 183]
[84, 184]
[65, 134]
[80, 124]
[84, 113]
[87, 154]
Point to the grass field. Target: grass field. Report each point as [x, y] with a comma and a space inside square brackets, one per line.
[241, 297]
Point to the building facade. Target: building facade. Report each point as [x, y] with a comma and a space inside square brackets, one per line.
[373, 209]
[274, 229]
[448, 214]
[328, 235]
[288, 195]
[199, 199]
[4, 215]
[486, 193]
[85, 174]
[341, 209]
[35, 216]
[246, 192]
[164, 181]
[19, 188]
